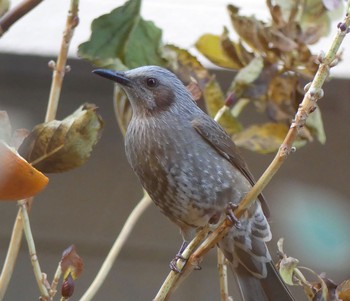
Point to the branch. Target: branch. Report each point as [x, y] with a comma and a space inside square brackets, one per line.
[16, 13]
[32, 251]
[222, 268]
[307, 106]
[11, 255]
[118, 244]
[60, 68]
[5, 22]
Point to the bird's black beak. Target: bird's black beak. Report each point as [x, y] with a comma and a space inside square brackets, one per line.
[117, 76]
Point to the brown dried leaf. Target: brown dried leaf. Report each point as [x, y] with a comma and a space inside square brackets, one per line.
[281, 95]
[195, 90]
[264, 138]
[186, 66]
[249, 29]
[315, 20]
[58, 146]
[343, 290]
[71, 263]
[231, 50]
[278, 40]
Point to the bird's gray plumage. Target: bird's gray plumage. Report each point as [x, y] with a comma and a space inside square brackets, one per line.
[189, 165]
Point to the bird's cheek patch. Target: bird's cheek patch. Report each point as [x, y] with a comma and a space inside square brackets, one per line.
[163, 98]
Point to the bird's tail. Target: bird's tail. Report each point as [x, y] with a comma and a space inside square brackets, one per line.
[271, 288]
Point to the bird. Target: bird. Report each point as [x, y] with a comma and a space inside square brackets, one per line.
[192, 170]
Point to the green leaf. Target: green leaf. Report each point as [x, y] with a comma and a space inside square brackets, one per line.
[247, 76]
[315, 124]
[124, 35]
[215, 100]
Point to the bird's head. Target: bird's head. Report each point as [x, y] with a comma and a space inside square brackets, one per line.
[150, 89]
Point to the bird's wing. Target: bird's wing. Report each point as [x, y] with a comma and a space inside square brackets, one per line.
[216, 136]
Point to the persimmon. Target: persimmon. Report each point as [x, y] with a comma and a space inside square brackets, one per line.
[18, 179]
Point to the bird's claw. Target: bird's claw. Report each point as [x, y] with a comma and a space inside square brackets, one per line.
[231, 215]
[173, 263]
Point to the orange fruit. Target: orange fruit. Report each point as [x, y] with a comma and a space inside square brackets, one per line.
[18, 179]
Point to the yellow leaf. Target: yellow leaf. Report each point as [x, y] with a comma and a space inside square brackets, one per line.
[210, 46]
[215, 100]
[264, 138]
[343, 290]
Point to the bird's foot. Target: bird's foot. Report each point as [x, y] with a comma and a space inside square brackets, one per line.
[231, 215]
[173, 265]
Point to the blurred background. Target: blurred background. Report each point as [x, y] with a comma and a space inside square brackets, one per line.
[309, 197]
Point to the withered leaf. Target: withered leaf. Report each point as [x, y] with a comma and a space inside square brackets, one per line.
[122, 108]
[286, 265]
[219, 50]
[71, 263]
[215, 100]
[264, 138]
[249, 29]
[281, 96]
[58, 146]
[185, 65]
[195, 90]
[343, 290]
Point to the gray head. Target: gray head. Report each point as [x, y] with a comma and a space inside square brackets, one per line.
[151, 89]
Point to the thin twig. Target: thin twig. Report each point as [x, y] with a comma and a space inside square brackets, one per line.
[9, 18]
[13, 15]
[306, 107]
[11, 255]
[60, 67]
[221, 112]
[172, 278]
[32, 251]
[118, 244]
[54, 283]
[222, 269]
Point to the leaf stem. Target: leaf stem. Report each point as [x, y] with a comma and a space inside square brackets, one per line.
[118, 244]
[54, 283]
[306, 107]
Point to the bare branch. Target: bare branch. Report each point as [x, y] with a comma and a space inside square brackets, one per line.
[13, 15]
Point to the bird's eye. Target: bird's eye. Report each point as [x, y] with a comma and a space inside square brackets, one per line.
[151, 82]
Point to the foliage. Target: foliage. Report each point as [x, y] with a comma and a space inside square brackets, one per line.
[269, 60]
